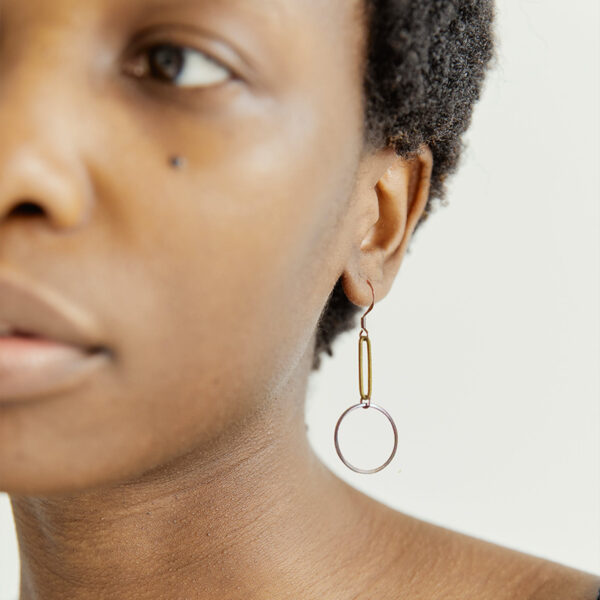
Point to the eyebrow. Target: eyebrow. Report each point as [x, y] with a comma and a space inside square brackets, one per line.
[264, 20]
[267, 11]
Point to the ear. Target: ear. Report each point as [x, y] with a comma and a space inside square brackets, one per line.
[389, 213]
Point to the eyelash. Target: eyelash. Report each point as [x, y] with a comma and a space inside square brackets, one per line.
[145, 68]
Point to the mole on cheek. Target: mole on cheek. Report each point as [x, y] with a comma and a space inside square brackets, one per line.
[177, 161]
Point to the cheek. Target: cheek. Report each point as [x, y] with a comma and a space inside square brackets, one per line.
[210, 283]
[233, 269]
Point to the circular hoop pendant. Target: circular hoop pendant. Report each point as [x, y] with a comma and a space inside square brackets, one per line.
[337, 445]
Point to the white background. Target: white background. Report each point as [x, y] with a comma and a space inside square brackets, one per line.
[486, 351]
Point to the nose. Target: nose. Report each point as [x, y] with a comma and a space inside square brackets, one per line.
[41, 168]
[38, 177]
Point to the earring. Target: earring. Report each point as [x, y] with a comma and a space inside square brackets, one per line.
[365, 398]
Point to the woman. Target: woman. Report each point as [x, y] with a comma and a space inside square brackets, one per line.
[196, 198]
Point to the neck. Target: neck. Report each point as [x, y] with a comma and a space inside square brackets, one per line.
[256, 515]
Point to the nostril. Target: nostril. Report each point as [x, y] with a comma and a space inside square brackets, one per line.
[26, 209]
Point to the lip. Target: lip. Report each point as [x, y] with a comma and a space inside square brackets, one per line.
[43, 313]
[33, 367]
[66, 346]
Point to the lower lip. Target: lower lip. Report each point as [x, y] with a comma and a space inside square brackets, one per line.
[32, 367]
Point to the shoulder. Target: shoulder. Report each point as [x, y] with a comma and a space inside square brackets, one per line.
[556, 581]
[470, 568]
[496, 572]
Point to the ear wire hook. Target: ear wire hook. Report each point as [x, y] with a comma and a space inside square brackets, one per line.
[362, 319]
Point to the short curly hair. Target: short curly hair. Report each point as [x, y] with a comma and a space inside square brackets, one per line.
[424, 69]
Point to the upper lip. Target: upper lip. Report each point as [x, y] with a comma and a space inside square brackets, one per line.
[42, 312]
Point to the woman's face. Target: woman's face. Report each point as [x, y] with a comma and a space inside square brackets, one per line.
[205, 281]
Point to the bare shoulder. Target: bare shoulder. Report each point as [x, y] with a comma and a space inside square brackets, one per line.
[431, 561]
[557, 581]
[488, 570]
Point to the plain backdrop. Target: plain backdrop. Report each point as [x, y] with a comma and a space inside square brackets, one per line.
[486, 352]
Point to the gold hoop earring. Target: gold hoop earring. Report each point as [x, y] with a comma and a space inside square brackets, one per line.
[365, 398]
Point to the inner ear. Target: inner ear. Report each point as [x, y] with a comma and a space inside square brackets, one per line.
[387, 232]
[402, 193]
[419, 186]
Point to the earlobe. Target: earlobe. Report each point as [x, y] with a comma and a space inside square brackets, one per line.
[402, 193]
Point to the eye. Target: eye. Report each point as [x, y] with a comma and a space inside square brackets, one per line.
[180, 65]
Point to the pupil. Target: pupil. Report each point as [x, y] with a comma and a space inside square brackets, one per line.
[166, 61]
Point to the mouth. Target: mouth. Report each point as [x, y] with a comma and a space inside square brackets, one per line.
[47, 344]
[30, 310]
[8, 332]
[33, 366]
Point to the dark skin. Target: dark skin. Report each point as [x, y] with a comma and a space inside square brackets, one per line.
[182, 468]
